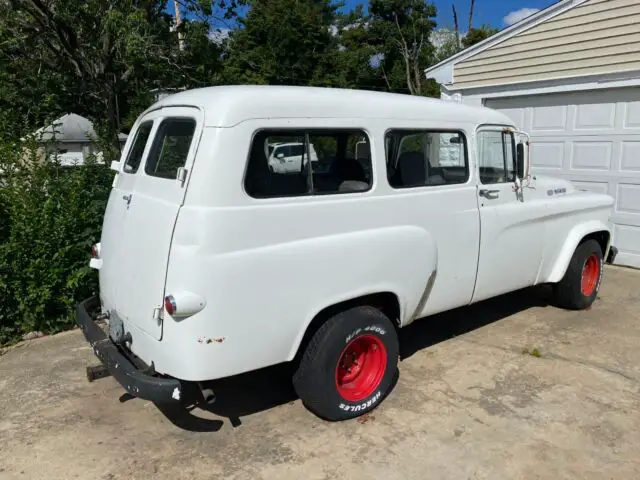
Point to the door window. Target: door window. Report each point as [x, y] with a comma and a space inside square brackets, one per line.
[170, 147]
[426, 158]
[137, 149]
[496, 152]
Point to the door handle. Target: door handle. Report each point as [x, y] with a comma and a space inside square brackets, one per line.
[489, 193]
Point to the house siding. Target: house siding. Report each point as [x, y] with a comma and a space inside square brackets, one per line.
[599, 36]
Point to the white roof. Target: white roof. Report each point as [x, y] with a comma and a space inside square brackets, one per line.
[226, 106]
[70, 128]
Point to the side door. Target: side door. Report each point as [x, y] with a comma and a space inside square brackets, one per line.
[429, 169]
[156, 197]
[511, 225]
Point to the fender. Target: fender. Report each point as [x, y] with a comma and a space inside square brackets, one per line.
[411, 284]
[576, 234]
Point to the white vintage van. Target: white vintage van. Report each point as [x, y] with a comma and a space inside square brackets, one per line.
[212, 264]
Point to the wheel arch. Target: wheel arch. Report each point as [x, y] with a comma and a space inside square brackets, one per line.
[595, 230]
[387, 302]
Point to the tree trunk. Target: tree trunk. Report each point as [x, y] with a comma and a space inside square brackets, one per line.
[456, 26]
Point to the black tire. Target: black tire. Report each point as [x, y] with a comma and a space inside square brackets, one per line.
[359, 329]
[569, 292]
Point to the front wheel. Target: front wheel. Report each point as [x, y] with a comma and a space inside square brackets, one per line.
[349, 365]
[579, 287]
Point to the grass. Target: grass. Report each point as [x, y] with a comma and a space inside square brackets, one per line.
[534, 352]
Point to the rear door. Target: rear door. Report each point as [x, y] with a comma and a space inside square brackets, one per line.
[116, 211]
[156, 196]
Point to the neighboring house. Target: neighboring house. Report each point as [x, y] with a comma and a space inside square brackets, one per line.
[73, 137]
[570, 76]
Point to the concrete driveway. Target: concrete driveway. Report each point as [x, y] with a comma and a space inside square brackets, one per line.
[507, 389]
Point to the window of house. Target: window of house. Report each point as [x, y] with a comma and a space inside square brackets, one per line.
[419, 158]
[286, 163]
[137, 149]
[496, 156]
[170, 147]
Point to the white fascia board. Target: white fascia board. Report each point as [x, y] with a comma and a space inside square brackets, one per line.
[558, 85]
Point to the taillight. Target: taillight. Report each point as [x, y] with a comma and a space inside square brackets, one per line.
[95, 251]
[170, 304]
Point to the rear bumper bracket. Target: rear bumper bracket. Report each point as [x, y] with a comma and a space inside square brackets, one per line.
[135, 380]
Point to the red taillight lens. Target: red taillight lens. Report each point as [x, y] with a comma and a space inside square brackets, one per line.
[95, 251]
[170, 304]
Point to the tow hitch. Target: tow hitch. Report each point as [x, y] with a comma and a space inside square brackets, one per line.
[97, 372]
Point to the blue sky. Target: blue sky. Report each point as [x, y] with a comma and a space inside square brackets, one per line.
[498, 13]
[492, 12]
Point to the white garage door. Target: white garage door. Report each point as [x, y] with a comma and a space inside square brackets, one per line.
[593, 140]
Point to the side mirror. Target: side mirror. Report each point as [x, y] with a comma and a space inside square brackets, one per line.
[520, 161]
[280, 156]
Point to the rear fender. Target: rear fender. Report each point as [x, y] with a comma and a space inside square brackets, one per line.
[574, 238]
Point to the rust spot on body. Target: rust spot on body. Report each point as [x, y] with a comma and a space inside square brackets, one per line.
[209, 341]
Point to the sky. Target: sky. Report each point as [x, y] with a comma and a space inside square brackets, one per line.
[498, 13]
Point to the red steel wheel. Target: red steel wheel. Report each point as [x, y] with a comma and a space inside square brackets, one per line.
[590, 275]
[361, 368]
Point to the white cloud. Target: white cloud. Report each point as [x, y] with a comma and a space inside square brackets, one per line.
[518, 15]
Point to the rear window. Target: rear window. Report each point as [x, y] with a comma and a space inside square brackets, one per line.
[137, 149]
[286, 163]
[170, 147]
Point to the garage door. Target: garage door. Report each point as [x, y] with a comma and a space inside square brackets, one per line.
[593, 140]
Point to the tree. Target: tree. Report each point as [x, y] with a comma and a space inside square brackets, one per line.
[401, 31]
[476, 35]
[283, 42]
[105, 54]
[356, 60]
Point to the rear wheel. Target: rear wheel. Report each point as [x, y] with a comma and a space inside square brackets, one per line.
[349, 365]
[580, 285]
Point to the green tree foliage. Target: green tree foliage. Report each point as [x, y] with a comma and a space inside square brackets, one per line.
[103, 56]
[49, 217]
[401, 31]
[477, 35]
[283, 42]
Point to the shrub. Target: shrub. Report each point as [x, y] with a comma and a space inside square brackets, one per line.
[50, 216]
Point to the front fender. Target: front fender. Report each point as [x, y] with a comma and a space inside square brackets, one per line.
[576, 234]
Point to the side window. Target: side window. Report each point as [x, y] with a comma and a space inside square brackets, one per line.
[292, 163]
[426, 158]
[137, 149]
[170, 147]
[496, 157]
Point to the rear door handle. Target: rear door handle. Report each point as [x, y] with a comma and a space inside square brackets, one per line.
[489, 193]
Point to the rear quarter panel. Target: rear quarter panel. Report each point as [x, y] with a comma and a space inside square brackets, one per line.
[261, 296]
